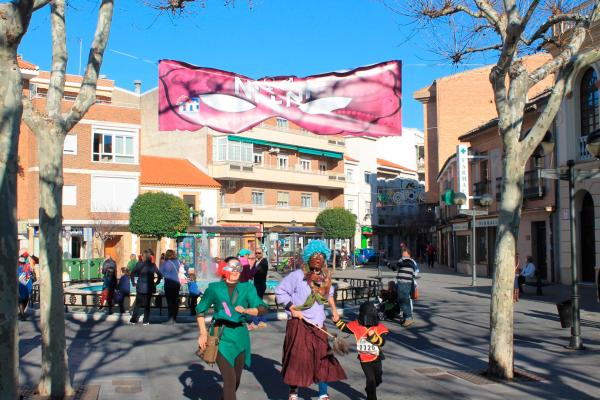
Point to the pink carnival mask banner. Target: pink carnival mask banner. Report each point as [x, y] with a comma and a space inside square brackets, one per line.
[363, 102]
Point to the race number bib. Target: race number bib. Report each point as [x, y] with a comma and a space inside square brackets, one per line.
[364, 346]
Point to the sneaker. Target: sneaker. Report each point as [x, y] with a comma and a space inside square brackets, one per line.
[131, 323]
[146, 323]
[324, 397]
[408, 323]
[293, 396]
[261, 325]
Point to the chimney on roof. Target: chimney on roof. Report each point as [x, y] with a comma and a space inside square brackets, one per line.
[138, 86]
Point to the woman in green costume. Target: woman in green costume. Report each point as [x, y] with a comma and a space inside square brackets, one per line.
[233, 303]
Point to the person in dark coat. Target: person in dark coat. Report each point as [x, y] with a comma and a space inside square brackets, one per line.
[145, 285]
[109, 283]
[259, 272]
[123, 289]
[169, 270]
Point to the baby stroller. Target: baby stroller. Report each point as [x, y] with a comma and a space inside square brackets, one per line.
[388, 307]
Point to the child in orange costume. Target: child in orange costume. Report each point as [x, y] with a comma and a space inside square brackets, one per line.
[368, 332]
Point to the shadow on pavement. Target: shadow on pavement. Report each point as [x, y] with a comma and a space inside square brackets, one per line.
[269, 376]
[199, 383]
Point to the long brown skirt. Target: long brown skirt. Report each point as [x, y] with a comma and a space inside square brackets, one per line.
[307, 356]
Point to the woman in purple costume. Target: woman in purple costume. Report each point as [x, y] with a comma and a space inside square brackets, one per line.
[307, 356]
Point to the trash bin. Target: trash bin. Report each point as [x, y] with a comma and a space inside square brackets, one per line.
[565, 313]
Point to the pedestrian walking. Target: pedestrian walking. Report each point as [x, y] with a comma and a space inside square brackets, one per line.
[233, 303]
[123, 289]
[169, 270]
[259, 273]
[26, 277]
[404, 282]
[143, 278]
[430, 252]
[369, 334]
[109, 283]
[307, 356]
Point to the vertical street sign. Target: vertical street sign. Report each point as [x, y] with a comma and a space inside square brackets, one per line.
[462, 162]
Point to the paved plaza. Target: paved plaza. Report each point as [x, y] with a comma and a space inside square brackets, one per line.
[439, 357]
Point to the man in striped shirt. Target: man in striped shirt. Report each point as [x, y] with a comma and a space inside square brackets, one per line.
[404, 278]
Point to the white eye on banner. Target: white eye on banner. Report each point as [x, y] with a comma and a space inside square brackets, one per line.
[325, 105]
[226, 103]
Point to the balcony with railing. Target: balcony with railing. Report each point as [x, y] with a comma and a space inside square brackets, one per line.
[273, 213]
[533, 185]
[293, 175]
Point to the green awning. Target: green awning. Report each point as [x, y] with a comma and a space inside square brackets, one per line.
[305, 150]
[243, 139]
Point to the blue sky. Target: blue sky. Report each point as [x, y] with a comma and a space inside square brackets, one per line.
[274, 37]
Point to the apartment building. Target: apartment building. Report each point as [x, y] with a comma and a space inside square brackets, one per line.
[454, 105]
[577, 121]
[360, 192]
[101, 170]
[276, 174]
[485, 177]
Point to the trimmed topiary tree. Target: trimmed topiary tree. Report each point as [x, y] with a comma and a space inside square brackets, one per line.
[338, 223]
[158, 214]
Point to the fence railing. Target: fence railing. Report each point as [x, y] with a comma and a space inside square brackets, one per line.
[355, 291]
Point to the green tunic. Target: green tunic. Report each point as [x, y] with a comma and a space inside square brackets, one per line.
[237, 339]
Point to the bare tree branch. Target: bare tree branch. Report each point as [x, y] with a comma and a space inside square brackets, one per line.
[448, 8]
[492, 16]
[546, 117]
[530, 11]
[561, 60]
[40, 4]
[31, 116]
[87, 93]
[539, 34]
[59, 59]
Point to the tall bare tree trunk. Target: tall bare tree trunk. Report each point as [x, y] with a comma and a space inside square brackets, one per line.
[11, 110]
[55, 380]
[15, 20]
[501, 352]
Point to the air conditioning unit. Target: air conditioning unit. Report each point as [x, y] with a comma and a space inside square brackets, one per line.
[274, 150]
[209, 221]
[231, 185]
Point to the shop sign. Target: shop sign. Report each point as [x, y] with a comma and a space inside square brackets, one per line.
[462, 157]
[462, 226]
[485, 223]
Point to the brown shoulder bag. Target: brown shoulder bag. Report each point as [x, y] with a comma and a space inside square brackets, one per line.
[209, 355]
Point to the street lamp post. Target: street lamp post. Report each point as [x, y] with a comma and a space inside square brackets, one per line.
[593, 147]
[575, 343]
